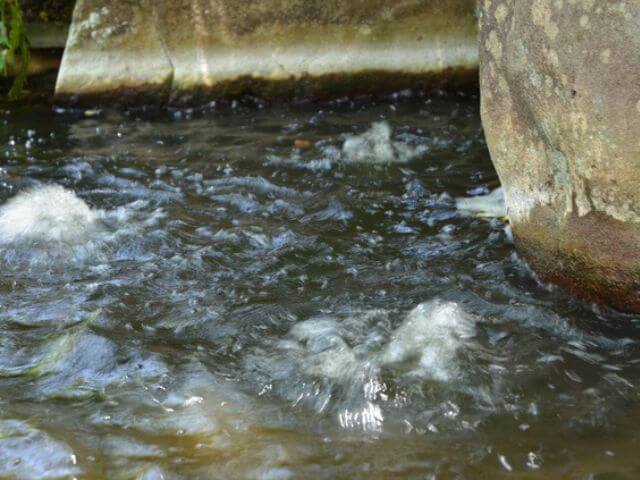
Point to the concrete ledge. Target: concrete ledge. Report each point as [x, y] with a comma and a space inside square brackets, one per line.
[175, 48]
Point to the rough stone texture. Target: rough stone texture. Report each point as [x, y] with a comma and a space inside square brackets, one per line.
[560, 85]
[228, 47]
[114, 45]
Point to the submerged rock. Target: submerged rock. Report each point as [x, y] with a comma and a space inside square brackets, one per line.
[76, 365]
[45, 214]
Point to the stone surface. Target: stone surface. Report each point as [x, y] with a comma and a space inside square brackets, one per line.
[114, 46]
[267, 47]
[47, 35]
[560, 85]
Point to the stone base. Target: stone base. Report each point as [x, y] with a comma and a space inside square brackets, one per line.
[594, 256]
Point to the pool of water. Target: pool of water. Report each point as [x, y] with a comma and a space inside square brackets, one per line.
[266, 292]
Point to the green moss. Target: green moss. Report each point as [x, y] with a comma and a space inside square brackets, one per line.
[13, 42]
[56, 349]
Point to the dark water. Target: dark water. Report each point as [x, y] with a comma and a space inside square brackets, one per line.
[249, 308]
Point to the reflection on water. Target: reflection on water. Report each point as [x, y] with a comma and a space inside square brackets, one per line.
[282, 293]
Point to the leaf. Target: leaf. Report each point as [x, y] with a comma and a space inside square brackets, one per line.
[4, 39]
[17, 42]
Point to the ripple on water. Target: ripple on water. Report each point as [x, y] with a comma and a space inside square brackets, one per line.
[30, 454]
[288, 293]
[338, 364]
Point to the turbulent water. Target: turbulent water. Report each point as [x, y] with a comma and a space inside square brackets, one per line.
[288, 293]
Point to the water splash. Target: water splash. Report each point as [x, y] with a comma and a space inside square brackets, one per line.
[489, 205]
[429, 339]
[51, 227]
[333, 364]
[49, 214]
[377, 146]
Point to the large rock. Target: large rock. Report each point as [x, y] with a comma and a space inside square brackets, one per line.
[560, 85]
[267, 47]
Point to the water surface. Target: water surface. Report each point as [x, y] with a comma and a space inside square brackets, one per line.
[255, 303]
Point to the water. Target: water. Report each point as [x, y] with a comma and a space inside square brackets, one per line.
[282, 293]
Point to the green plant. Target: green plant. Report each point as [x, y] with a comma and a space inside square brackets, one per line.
[13, 40]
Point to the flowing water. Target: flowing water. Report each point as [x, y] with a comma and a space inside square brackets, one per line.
[288, 293]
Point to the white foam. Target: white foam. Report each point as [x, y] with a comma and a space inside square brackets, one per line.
[430, 337]
[45, 214]
[334, 364]
[489, 205]
[50, 226]
[376, 146]
[426, 344]
[327, 354]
